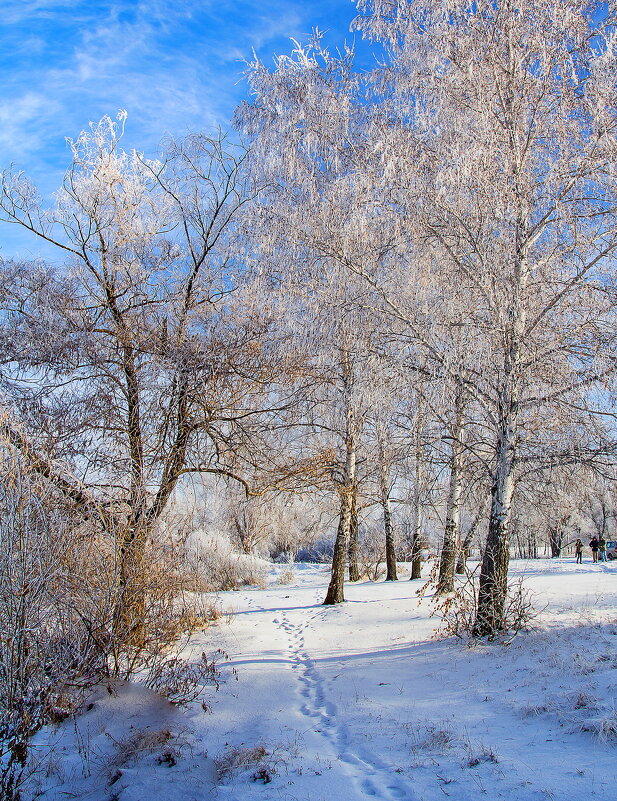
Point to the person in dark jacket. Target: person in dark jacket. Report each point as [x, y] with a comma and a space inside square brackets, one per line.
[578, 550]
[602, 549]
[595, 546]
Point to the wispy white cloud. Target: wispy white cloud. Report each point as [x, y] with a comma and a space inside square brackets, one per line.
[175, 66]
[16, 12]
[20, 118]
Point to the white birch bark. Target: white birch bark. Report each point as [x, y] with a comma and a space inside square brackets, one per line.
[335, 593]
[447, 561]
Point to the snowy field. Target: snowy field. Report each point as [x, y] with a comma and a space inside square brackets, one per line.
[360, 702]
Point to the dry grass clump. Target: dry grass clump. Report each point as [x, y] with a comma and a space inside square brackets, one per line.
[603, 728]
[482, 754]
[286, 577]
[435, 737]
[585, 700]
[260, 764]
[140, 742]
[161, 744]
[237, 759]
[438, 738]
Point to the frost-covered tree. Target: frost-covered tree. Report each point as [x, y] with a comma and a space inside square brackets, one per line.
[330, 339]
[505, 109]
[134, 365]
[303, 220]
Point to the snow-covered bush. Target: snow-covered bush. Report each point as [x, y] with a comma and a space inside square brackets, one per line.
[61, 590]
[212, 563]
[46, 648]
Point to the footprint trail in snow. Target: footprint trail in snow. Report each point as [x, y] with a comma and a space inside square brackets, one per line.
[371, 777]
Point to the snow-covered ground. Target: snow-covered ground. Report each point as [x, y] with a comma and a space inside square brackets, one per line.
[359, 702]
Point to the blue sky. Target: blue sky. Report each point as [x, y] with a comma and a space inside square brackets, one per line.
[175, 66]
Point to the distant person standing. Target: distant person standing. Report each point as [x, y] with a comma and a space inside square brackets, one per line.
[602, 549]
[578, 550]
[594, 545]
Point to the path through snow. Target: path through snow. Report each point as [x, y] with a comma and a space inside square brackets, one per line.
[359, 702]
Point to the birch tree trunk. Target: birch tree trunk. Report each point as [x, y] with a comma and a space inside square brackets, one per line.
[354, 569]
[464, 550]
[494, 572]
[416, 549]
[447, 562]
[384, 487]
[390, 548]
[335, 593]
